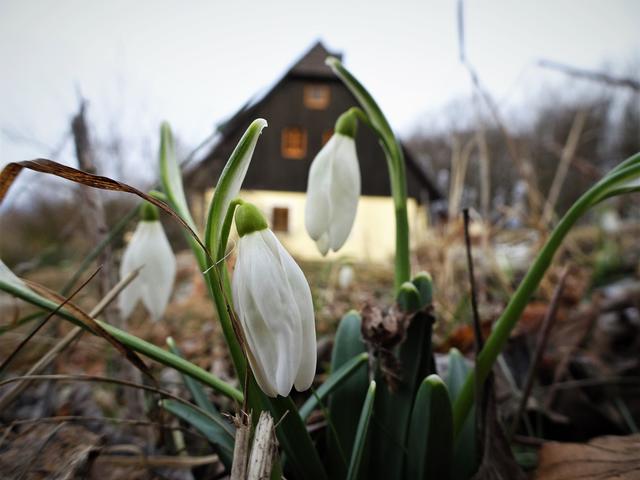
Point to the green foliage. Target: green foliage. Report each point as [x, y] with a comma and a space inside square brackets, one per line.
[355, 465]
[464, 453]
[622, 179]
[430, 437]
[346, 401]
[334, 382]
[215, 432]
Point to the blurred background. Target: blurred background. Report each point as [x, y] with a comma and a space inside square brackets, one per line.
[508, 109]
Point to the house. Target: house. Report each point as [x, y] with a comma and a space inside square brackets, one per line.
[301, 109]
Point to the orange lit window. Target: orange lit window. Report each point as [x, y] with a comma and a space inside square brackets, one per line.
[316, 97]
[294, 142]
[326, 135]
[280, 219]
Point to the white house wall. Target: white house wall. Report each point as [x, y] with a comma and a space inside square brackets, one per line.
[372, 237]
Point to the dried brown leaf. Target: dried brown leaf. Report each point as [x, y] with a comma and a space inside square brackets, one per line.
[602, 458]
[43, 165]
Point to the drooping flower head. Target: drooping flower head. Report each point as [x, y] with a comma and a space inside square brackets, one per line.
[149, 249]
[273, 301]
[334, 188]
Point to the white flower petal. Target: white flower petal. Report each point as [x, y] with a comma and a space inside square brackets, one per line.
[345, 192]
[149, 249]
[274, 306]
[302, 296]
[261, 345]
[318, 208]
[323, 244]
[332, 193]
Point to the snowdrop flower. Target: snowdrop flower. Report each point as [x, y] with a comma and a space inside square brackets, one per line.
[273, 302]
[149, 249]
[334, 188]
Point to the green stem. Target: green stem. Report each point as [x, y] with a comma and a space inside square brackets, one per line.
[507, 321]
[131, 341]
[216, 290]
[226, 229]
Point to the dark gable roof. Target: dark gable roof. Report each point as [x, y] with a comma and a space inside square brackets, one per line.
[311, 66]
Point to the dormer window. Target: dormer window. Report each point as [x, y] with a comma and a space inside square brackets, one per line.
[317, 96]
[294, 143]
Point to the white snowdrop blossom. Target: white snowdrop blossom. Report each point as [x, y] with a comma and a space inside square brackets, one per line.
[333, 190]
[273, 302]
[149, 249]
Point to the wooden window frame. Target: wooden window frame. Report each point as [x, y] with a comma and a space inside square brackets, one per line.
[276, 225]
[287, 147]
[316, 102]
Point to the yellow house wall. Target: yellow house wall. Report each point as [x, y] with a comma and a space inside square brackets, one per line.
[372, 237]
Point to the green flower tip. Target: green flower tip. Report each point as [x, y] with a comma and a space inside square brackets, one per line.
[171, 342]
[165, 128]
[149, 212]
[408, 297]
[434, 380]
[258, 124]
[249, 219]
[424, 284]
[347, 124]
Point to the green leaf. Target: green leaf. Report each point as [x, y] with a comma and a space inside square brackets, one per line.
[424, 284]
[408, 297]
[617, 181]
[393, 409]
[295, 440]
[171, 177]
[361, 434]
[171, 181]
[464, 452]
[430, 438]
[229, 183]
[334, 382]
[195, 387]
[217, 433]
[345, 402]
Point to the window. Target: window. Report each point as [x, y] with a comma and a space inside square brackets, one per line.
[294, 143]
[280, 219]
[316, 96]
[326, 135]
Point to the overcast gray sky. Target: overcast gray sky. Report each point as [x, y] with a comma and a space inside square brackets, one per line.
[195, 62]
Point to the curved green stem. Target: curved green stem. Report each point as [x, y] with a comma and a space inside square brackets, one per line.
[372, 116]
[507, 321]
